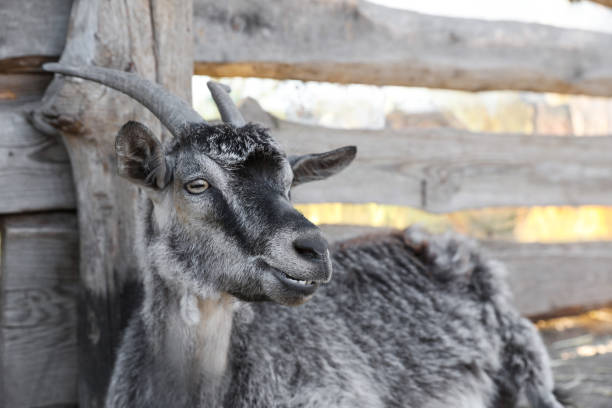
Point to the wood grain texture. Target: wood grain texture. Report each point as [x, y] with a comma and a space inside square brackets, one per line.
[18, 89]
[32, 32]
[439, 170]
[436, 170]
[545, 279]
[359, 42]
[552, 278]
[152, 38]
[443, 170]
[347, 41]
[39, 318]
[35, 171]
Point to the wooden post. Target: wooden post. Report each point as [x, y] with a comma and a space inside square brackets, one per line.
[153, 38]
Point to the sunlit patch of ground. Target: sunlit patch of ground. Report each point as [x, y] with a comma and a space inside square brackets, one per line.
[581, 355]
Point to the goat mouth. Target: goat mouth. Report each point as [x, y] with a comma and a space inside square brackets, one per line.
[298, 281]
[304, 287]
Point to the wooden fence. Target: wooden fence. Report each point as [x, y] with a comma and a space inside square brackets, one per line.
[437, 170]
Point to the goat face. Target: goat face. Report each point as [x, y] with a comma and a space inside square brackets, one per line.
[222, 219]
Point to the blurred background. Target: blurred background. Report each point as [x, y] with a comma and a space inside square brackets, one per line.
[359, 106]
[579, 341]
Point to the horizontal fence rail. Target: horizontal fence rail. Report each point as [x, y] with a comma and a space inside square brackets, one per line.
[444, 170]
[35, 171]
[437, 170]
[363, 43]
[32, 32]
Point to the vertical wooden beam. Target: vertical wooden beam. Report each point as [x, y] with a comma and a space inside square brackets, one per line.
[152, 38]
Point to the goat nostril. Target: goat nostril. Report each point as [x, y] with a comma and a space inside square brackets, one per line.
[310, 247]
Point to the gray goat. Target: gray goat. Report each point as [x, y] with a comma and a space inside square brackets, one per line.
[409, 320]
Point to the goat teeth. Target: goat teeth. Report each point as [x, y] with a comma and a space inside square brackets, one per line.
[300, 281]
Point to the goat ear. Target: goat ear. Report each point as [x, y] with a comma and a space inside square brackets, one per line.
[312, 167]
[140, 156]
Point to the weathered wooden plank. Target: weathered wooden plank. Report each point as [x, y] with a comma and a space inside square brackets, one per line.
[545, 278]
[549, 278]
[38, 292]
[35, 171]
[32, 32]
[359, 42]
[437, 170]
[22, 88]
[347, 41]
[443, 170]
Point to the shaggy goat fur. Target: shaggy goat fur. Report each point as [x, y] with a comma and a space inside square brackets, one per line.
[409, 320]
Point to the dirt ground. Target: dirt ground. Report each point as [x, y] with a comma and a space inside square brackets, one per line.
[580, 348]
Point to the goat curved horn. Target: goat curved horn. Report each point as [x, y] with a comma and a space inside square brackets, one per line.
[228, 110]
[171, 110]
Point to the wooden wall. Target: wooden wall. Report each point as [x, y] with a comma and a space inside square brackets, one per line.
[435, 170]
[39, 316]
[39, 252]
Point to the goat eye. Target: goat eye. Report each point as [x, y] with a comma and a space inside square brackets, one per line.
[197, 186]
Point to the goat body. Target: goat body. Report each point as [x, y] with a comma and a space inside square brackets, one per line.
[408, 320]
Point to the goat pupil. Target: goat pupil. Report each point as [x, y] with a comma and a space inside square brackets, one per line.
[197, 186]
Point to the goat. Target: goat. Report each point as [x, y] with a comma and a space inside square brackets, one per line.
[409, 320]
